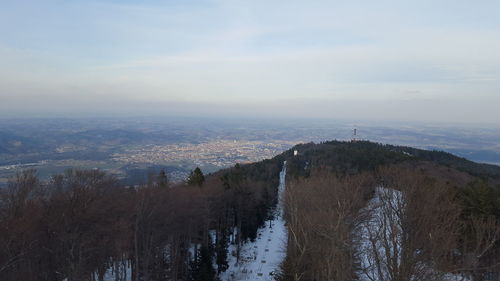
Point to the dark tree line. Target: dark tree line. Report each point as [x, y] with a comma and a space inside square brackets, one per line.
[83, 224]
[353, 157]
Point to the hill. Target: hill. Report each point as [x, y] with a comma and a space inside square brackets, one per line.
[354, 157]
[354, 208]
[84, 224]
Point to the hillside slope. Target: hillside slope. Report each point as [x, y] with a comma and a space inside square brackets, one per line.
[444, 225]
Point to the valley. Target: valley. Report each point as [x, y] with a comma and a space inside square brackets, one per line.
[128, 148]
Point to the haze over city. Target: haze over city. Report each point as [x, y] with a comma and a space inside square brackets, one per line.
[430, 61]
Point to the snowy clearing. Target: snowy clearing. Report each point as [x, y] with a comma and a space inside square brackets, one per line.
[262, 258]
[381, 243]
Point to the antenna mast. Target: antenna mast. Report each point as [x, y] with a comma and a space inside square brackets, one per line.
[354, 134]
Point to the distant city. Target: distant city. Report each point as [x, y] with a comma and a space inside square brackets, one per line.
[132, 147]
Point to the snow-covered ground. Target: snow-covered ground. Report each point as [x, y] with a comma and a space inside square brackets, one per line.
[259, 259]
[380, 228]
[262, 258]
[381, 240]
[112, 275]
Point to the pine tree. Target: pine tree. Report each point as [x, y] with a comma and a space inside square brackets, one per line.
[196, 177]
[162, 179]
[202, 269]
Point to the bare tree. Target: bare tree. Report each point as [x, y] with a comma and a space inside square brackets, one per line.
[19, 214]
[321, 214]
[410, 229]
[479, 247]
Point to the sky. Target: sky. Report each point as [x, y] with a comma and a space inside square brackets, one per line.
[431, 61]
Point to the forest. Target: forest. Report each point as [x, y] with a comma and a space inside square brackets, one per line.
[371, 212]
[83, 224]
[354, 211]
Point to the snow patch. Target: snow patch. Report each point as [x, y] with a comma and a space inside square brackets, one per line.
[261, 260]
[381, 239]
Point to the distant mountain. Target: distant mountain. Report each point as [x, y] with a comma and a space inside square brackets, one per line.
[117, 136]
[3, 150]
[14, 144]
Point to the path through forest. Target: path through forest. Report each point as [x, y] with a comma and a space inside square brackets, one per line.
[262, 258]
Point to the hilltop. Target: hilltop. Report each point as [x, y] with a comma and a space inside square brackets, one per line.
[354, 157]
[365, 211]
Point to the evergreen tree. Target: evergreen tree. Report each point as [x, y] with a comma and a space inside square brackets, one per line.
[202, 269]
[234, 178]
[196, 177]
[479, 199]
[162, 179]
[221, 252]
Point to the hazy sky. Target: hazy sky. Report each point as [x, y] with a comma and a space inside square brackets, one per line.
[435, 60]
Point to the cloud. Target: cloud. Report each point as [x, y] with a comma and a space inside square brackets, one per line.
[248, 53]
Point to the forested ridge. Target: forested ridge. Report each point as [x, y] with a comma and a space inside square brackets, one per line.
[368, 211]
[83, 224]
[353, 157]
